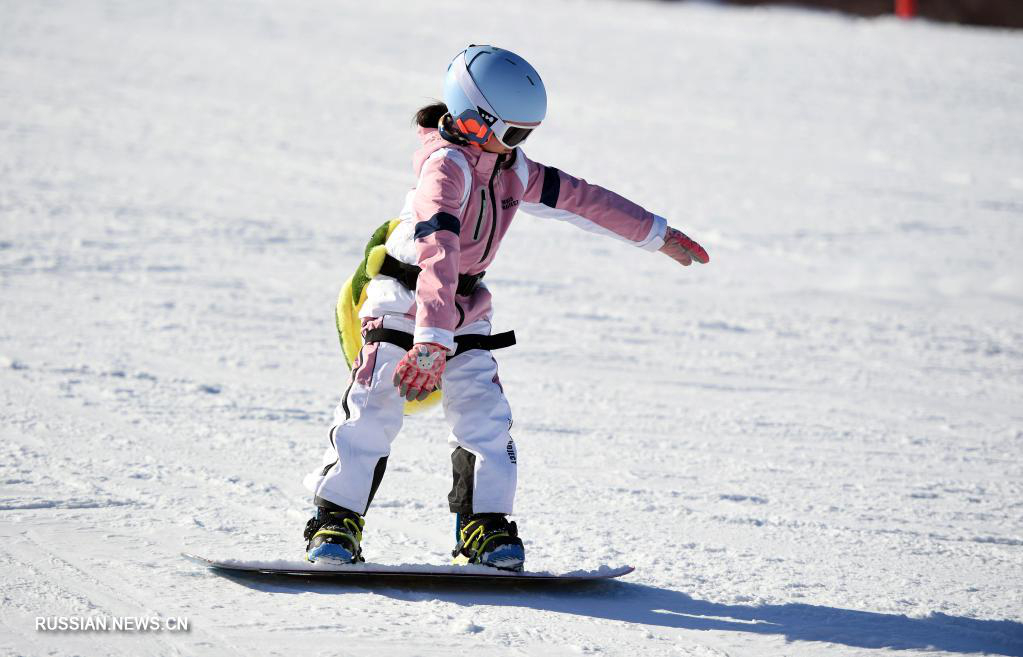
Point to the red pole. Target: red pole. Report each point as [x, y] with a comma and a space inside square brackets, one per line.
[905, 8]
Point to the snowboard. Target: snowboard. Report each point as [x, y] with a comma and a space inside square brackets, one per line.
[371, 571]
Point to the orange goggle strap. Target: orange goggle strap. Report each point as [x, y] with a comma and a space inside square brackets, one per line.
[472, 126]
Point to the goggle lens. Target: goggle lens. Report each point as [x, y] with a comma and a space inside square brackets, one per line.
[514, 136]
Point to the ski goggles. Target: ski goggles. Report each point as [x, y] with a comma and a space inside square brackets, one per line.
[478, 124]
[476, 128]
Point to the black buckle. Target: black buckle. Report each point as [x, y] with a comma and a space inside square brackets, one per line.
[467, 283]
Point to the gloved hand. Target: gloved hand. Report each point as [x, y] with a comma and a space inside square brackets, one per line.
[418, 373]
[680, 248]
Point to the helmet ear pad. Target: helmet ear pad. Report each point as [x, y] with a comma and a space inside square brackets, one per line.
[472, 126]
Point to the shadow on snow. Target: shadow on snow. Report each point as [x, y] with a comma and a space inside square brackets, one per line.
[657, 607]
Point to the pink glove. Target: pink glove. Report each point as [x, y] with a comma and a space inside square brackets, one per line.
[418, 373]
[680, 248]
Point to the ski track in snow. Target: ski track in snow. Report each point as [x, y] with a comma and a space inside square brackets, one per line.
[809, 447]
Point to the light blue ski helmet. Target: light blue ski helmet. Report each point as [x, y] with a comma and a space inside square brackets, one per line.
[490, 90]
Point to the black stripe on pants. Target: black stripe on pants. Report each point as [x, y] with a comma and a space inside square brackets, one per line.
[463, 470]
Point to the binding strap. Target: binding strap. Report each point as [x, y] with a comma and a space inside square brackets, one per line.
[464, 342]
[408, 275]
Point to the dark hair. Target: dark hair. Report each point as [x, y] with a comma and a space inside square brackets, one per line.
[430, 115]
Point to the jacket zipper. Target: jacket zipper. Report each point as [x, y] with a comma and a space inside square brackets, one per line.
[493, 205]
[483, 208]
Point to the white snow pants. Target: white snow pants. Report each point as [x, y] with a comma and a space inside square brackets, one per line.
[370, 415]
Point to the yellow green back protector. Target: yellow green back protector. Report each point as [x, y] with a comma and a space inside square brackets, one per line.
[353, 295]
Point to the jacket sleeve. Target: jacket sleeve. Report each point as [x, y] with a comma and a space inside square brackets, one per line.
[436, 207]
[554, 194]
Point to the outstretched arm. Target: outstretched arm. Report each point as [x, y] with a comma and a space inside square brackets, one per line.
[554, 194]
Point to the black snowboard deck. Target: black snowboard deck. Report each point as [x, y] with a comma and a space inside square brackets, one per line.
[370, 571]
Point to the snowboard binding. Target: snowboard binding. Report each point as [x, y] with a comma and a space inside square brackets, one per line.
[335, 536]
[488, 539]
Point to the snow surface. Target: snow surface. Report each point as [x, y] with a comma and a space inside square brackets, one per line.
[811, 446]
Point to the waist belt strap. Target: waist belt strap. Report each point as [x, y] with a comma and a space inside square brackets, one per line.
[464, 342]
[484, 342]
[408, 275]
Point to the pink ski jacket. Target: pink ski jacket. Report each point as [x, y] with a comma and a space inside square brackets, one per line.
[458, 213]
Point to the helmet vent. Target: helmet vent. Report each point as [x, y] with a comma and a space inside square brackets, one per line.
[510, 62]
[530, 80]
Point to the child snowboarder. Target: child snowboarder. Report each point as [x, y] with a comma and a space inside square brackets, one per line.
[426, 316]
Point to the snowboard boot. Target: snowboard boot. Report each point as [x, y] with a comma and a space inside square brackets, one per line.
[489, 539]
[334, 536]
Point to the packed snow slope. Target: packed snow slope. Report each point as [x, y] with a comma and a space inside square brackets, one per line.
[810, 446]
